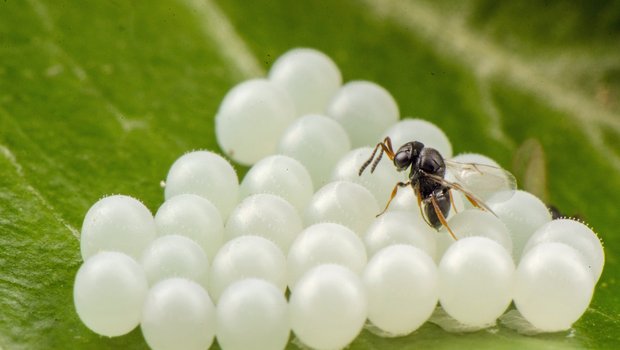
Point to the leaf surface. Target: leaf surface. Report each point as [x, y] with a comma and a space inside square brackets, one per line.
[101, 98]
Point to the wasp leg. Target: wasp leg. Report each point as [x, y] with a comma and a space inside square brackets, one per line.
[474, 202]
[394, 191]
[417, 193]
[386, 146]
[440, 216]
[452, 201]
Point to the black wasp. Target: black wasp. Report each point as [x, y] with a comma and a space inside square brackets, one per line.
[428, 179]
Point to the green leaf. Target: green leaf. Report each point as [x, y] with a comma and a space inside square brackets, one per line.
[100, 98]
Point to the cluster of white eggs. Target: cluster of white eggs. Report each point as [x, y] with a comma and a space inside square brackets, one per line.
[218, 256]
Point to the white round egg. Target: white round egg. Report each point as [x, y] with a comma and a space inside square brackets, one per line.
[309, 76]
[400, 227]
[343, 202]
[328, 307]
[365, 110]
[318, 142]
[178, 314]
[206, 174]
[251, 119]
[402, 286]
[244, 257]
[325, 243]
[523, 213]
[474, 222]
[408, 130]
[265, 215]
[175, 256]
[252, 314]
[192, 216]
[576, 235]
[109, 290]
[553, 286]
[117, 223]
[380, 183]
[282, 176]
[476, 281]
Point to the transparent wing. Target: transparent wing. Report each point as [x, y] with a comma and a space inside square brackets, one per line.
[473, 198]
[481, 179]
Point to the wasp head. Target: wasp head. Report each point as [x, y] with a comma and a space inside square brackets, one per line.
[407, 154]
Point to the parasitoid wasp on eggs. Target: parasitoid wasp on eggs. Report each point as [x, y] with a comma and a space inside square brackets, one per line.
[427, 178]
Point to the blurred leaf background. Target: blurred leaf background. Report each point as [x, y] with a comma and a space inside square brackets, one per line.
[100, 97]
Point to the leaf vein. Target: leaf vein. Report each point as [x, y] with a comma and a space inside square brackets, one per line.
[216, 26]
[19, 170]
[127, 124]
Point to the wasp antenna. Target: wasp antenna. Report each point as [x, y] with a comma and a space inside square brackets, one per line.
[386, 146]
[365, 165]
[376, 162]
[367, 162]
[388, 142]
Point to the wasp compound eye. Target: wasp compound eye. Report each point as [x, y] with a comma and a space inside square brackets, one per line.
[402, 159]
[407, 154]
